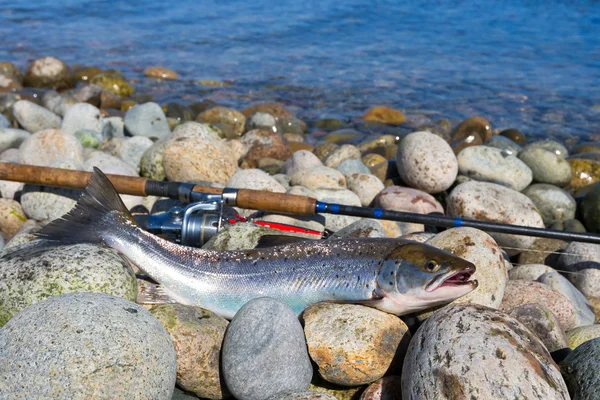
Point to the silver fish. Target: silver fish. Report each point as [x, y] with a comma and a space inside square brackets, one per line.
[393, 275]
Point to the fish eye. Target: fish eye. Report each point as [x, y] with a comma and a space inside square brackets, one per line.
[431, 266]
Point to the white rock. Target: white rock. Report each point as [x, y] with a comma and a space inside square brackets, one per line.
[34, 118]
[319, 177]
[82, 116]
[301, 160]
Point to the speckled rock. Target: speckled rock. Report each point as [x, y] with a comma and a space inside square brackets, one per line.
[553, 203]
[49, 72]
[234, 119]
[546, 166]
[386, 388]
[12, 138]
[490, 202]
[320, 177]
[148, 120]
[76, 268]
[261, 120]
[181, 161]
[261, 144]
[303, 395]
[89, 339]
[584, 314]
[347, 197]
[274, 108]
[463, 350]
[264, 351]
[479, 248]
[529, 272]
[540, 320]
[197, 335]
[584, 259]
[133, 149]
[82, 116]
[161, 73]
[301, 160]
[584, 172]
[478, 126]
[34, 118]
[488, 164]
[339, 392]
[353, 344]
[254, 179]
[426, 162]
[519, 292]
[400, 198]
[581, 371]
[58, 103]
[366, 186]
[48, 146]
[151, 163]
[582, 334]
[12, 217]
[505, 144]
[342, 153]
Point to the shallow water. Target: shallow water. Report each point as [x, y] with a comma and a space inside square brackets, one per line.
[533, 65]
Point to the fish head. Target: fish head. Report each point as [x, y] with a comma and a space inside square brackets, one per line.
[417, 276]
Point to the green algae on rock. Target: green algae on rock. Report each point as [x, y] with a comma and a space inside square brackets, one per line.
[113, 84]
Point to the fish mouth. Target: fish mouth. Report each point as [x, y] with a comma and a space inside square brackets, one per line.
[453, 279]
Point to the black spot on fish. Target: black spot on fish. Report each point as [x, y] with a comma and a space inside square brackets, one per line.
[337, 276]
[367, 285]
[285, 259]
[391, 273]
[391, 283]
[131, 310]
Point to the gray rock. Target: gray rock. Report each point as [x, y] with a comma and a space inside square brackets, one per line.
[584, 260]
[82, 116]
[133, 149]
[466, 349]
[83, 346]
[261, 120]
[584, 312]
[552, 146]
[366, 186]
[12, 138]
[34, 118]
[301, 160]
[543, 323]
[546, 166]
[489, 164]
[57, 103]
[505, 144]
[332, 221]
[148, 120]
[264, 351]
[553, 203]
[529, 272]
[353, 167]
[303, 395]
[581, 371]
[4, 123]
[27, 279]
[113, 127]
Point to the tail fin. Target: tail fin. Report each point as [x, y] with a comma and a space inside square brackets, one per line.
[95, 211]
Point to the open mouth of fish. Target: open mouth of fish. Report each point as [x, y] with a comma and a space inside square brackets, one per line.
[453, 279]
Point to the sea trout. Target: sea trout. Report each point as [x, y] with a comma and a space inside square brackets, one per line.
[393, 275]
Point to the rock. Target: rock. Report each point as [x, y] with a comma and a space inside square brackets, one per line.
[479, 248]
[264, 352]
[459, 145]
[488, 164]
[342, 153]
[292, 125]
[89, 339]
[528, 272]
[384, 115]
[335, 222]
[347, 167]
[49, 72]
[241, 236]
[521, 292]
[110, 147]
[426, 162]
[339, 392]
[34, 118]
[88, 94]
[582, 263]
[276, 109]
[553, 203]
[505, 144]
[319, 178]
[543, 251]
[113, 127]
[262, 121]
[49, 146]
[4, 123]
[540, 320]
[181, 160]
[254, 179]
[12, 138]
[9, 84]
[590, 208]
[400, 198]
[583, 173]
[89, 139]
[363, 228]
[82, 116]
[366, 186]
[584, 314]
[58, 103]
[490, 202]
[133, 149]
[226, 116]
[303, 395]
[581, 372]
[465, 349]
[161, 73]
[12, 217]
[148, 120]
[546, 166]
[301, 160]
[197, 335]
[582, 334]
[178, 111]
[353, 344]
[195, 129]
[263, 144]
[386, 388]
[551, 146]
[514, 135]
[473, 126]
[114, 84]
[342, 136]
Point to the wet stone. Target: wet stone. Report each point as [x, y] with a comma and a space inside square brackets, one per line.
[276, 109]
[342, 153]
[161, 73]
[226, 116]
[384, 115]
[546, 166]
[112, 83]
[590, 207]
[473, 126]
[48, 72]
[514, 135]
[552, 146]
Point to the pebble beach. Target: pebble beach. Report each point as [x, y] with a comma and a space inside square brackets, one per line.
[74, 323]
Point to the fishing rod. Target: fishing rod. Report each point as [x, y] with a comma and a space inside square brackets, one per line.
[203, 198]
